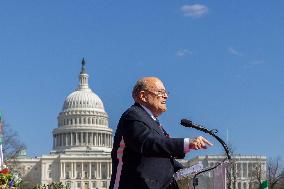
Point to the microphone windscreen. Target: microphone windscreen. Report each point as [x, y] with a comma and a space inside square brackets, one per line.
[186, 123]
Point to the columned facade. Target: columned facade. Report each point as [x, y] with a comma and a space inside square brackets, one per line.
[94, 174]
[79, 138]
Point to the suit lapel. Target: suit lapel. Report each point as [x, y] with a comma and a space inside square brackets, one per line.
[148, 120]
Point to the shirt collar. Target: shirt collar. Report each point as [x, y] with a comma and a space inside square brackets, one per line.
[149, 112]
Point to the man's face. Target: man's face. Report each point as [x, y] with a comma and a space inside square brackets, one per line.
[155, 97]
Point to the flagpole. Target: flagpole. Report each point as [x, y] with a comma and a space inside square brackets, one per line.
[227, 137]
[1, 142]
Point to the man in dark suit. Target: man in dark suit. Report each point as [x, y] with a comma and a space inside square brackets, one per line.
[143, 154]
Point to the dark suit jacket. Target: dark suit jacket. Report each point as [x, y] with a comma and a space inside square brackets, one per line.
[146, 155]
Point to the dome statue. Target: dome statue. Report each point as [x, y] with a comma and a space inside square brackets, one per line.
[83, 97]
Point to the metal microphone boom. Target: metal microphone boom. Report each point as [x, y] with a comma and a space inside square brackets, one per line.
[188, 123]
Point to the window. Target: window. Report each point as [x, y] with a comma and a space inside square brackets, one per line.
[84, 137]
[64, 141]
[104, 170]
[74, 138]
[67, 175]
[239, 185]
[238, 170]
[78, 184]
[78, 175]
[86, 185]
[68, 184]
[89, 138]
[245, 185]
[249, 170]
[94, 184]
[79, 138]
[104, 183]
[245, 174]
[94, 170]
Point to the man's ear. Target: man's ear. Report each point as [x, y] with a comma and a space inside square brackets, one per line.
[142, 96]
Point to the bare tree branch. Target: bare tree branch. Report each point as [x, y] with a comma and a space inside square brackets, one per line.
[274, 174]
[12, 145]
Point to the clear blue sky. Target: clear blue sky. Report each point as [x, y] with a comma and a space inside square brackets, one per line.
[221, 61]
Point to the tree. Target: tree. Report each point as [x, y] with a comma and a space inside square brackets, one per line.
[231, 174]
[12, 145]
[281, 182]
[257, 175]
[231, 168]
[275, 174]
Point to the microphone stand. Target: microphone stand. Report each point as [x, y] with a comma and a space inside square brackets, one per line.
[189, 124]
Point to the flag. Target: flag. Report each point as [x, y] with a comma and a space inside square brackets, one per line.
[1, 130]
[219, 177]
[264, 185]
[1, 125]
[1, 157]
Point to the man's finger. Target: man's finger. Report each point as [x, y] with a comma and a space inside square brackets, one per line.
[207, 142]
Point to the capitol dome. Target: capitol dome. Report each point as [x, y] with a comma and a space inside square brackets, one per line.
[83, 122]
[83, 99]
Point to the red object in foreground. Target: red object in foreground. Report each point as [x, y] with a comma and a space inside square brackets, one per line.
[5, 171]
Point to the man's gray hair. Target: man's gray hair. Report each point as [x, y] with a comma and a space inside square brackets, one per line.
[140, 85]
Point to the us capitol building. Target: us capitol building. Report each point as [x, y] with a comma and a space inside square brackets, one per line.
[82, 144]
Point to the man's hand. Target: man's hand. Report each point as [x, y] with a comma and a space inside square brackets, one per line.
[199, 143]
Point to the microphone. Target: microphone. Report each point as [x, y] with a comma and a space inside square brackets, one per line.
[188, 123]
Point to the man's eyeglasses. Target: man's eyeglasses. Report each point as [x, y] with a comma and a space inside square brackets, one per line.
[160, 93]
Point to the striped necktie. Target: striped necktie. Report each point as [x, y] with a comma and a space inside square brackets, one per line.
[162, 129]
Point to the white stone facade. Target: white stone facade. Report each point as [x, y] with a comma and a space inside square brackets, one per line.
[244, 170]
[82, 144]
